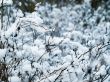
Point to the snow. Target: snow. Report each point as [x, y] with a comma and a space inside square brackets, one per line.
[26, 67]
[12, 29]
[107, 57]
[7, 2]
[102, 70]
[36, 51]
[2, 53]
[51, 39]
[15, 79]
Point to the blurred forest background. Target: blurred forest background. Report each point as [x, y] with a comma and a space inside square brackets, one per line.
[29, 5]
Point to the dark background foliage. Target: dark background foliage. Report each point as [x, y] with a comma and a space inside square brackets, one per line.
[29, 5]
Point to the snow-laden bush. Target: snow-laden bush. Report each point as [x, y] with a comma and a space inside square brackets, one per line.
[69, 44]
[85, 43]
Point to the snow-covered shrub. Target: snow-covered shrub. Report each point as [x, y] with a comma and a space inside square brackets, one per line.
[67, 44]
[85, 43]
